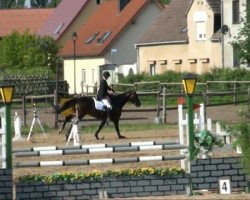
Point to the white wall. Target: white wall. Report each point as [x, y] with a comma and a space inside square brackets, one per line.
[233, 30]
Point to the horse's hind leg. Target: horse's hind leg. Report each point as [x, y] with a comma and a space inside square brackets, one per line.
[67, 119]
[100, 128]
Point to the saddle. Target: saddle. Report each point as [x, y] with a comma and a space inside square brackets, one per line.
[99, 105]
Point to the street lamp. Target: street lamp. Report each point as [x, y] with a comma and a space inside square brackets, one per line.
[7, 92]
[189, 84]
[74, 38]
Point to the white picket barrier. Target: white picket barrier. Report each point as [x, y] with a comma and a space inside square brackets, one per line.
[2, 138]
[199, 124]
[224, 134]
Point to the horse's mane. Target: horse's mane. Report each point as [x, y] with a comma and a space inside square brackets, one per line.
[119, 98]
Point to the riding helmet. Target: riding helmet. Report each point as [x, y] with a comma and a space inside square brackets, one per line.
[106, 74]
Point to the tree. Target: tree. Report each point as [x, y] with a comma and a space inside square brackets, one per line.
[166, 1]
[7, 4]
[44, 3]
[4, 4]
[28, 54]
[241, 42]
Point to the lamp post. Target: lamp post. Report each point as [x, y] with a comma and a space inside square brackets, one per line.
[7, 92]
[189, 84]
[74, 38]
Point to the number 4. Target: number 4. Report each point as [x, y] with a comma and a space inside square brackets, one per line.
[224, 186]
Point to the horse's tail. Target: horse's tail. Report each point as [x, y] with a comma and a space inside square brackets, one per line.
[68, 104]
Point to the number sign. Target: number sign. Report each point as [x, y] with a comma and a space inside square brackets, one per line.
[224, 186]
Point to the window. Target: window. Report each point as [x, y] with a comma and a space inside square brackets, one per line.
[93, 75]
[104, 37]
[83, 76]
[236, 12]
[236, 60]
[152, 69]
[90, 39]
[98, 2]
[200, 30]
[59, 27]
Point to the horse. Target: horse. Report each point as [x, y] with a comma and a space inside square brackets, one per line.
[85, 105]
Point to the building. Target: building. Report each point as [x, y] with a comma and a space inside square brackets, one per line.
[186, 37]
[106, 42]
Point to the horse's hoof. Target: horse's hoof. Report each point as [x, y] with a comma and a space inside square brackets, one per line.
[122, 137]
[67, 137]
[96, 136]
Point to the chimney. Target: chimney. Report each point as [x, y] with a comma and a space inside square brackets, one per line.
[122, 4]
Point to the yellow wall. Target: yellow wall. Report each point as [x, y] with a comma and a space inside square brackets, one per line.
[91, 66]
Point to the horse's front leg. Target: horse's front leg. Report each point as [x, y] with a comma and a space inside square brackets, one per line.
[100, 128]
[116, 123]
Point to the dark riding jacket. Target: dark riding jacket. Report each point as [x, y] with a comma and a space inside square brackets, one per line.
[103, 90]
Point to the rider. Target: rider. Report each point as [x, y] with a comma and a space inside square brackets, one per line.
[104, 92]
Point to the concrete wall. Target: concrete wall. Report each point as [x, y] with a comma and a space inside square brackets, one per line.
[5, 184]
[206, 172]
[205, 175]
[116, 187]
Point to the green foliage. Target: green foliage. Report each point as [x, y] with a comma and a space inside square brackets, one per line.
[241, 42]
[205, 141]
[215, 74]
[96, 174]
[241, 132]
[28, 54]
[225, 74]
[132, 78]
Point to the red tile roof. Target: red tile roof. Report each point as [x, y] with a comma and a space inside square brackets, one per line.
[105, 18]
[62, 17]
[22, 19]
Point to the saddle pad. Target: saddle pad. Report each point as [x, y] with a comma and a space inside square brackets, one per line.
[98, 105]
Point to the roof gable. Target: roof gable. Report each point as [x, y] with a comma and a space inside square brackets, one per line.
[103, 27]
[62, 17]
[215, 5]
[171, 26]
[21, 20]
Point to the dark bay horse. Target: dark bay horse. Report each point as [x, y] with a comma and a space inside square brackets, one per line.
[86, 106]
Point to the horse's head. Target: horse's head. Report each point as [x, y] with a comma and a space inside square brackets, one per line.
[133, 98]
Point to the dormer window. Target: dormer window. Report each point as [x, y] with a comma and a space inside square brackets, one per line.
[104, 37]
[90, 39]
[59, 27]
